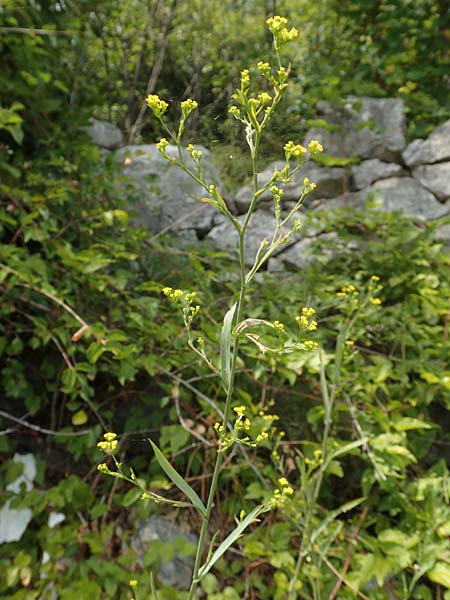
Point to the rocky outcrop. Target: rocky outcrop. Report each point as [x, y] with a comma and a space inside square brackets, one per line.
[362, 127]
[436, 148]
[422, 192]
[105, 135]
[414, 180]
[163, 195]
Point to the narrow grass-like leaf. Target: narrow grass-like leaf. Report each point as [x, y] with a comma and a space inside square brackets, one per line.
[152, 587]
[178, 480]
[332, 516]
[225, 347]
[229, 540]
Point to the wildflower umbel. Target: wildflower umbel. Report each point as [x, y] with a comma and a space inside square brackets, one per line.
[109, 443]
[157, 105]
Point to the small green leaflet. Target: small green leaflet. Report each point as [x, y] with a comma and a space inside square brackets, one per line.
[178, 480]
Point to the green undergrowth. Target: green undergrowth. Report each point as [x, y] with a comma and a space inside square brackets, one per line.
[89, 344]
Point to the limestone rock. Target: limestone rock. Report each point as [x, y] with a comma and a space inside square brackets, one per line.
[261, 226]
[14, 521]
[176, 572]
[372, 170]
[104, 134]
[309, 250]
[162, 192]
[434, 149]
[435, 178]
[330, 181]
[397, 194]
[364, 127]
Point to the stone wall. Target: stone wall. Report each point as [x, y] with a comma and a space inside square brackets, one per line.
[413, 178]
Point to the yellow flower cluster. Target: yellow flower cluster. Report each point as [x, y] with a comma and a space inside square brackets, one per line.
[294, 150]
[315, 147]
[161, 146]
[157, 105]
[264, 98]
[187, 106]
[193, 153]
[245, 78]
[173, 294]
[277, 193]
[282, 494]
[235, 112]
[264, 69]
[276, 23]
[277, 27]
[278, 326]
[304, 320]
[310, 345]
[347, 290]
[109, 443]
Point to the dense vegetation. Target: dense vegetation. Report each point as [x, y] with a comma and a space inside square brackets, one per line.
[89, 344]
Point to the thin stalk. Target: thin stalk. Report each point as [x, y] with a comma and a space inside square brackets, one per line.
[226, 417]
[230, 391]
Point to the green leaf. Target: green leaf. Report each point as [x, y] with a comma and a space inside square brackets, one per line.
[225, 348]
[178, 480]
[79, 418]
[440, 573]
[230, 539]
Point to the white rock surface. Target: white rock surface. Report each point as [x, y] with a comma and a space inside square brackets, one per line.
[372, 170]
[14, 521]
[104, 134]
[435, 178]
[434, 149]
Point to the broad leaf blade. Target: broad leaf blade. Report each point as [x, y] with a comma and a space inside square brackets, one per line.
[176, 478]
[225, 347]
[229, 540]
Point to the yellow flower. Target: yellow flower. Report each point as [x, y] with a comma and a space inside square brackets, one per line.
[264, 98]
[187, 106]
[276, 23]
[109, 444]
[157, 105]
[162, 145]
[315, 147]
[295, 150]
[264, 69]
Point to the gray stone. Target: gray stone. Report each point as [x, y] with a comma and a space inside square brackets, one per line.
[396, 194]
[309, 250]
[330, 181]
[104, 134]
[435, 178]
[442, 234]
[365, 127]
[261, 227]
[176, 572]
[14, 521]
[372, 170]
[163, 194]
[434, 149]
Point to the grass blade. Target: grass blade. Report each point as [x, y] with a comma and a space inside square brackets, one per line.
[229, 540]
[176, 478]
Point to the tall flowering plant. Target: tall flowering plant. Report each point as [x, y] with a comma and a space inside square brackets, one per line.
[253, 109]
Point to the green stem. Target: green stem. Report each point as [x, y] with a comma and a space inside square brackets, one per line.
[226, 417]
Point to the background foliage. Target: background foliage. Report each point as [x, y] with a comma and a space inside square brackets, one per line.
[69, 259]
